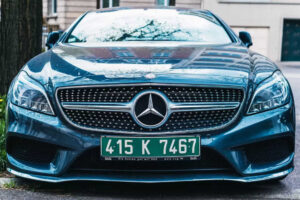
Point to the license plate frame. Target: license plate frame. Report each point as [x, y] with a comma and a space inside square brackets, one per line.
[161, 157]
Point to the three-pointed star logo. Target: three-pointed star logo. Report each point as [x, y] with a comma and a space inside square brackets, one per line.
[150, 109]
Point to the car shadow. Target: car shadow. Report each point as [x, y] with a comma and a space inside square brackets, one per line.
[219, 189]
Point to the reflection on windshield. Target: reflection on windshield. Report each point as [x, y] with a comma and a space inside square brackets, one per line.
[148, 25]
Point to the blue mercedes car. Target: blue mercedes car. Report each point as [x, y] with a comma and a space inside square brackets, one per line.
[150, 95]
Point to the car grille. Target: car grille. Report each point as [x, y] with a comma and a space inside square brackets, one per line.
[126, 94]
[124, 122]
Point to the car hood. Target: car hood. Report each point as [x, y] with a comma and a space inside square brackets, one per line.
[166, 63]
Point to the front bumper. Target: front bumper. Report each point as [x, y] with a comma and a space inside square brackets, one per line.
[153, 178]
[235, 146]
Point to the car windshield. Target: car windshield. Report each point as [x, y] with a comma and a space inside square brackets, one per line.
[149, 25]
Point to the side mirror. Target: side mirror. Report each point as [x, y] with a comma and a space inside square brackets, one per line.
[53, 38]
[246, 38]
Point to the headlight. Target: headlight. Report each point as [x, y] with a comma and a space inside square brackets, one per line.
[30, 94]
[271, 93]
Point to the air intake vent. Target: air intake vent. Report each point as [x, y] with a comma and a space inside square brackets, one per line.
[30, 150]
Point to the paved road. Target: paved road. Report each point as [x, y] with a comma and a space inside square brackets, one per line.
[287, 189]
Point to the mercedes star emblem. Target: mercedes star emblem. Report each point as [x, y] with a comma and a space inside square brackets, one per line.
[150, 109]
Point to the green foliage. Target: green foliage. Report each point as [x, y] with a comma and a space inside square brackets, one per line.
[2, 133]
[10, 185]
[2, 106]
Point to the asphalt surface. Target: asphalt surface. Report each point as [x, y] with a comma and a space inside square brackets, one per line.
[289, 188]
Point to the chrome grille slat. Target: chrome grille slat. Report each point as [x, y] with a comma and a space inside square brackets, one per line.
[108, 109]
[126, 107]
[119, 107]
[186, 107]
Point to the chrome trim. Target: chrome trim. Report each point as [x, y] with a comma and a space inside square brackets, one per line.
[232, 104]
[117, 107]
[151, 84]
[186, 107]
[173, 107]
[163, 97]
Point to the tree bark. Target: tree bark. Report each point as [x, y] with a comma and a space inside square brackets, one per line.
[20, 36]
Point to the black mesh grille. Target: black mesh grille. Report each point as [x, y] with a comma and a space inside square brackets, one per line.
[210, 160]
[177, 121]
[30, 151]
[274, 150]
[126, 93]
[121, 121]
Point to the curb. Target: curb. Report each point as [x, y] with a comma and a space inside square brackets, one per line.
[6, 181]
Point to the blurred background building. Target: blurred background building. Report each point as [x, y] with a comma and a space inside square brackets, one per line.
[273, 24]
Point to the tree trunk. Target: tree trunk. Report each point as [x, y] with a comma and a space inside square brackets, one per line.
[20, 36]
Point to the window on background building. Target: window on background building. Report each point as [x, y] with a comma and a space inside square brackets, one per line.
[108, 3]
[52, 7]
[165, 2]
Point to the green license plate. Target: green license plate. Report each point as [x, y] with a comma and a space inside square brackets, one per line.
[150, 148]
